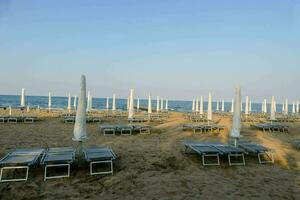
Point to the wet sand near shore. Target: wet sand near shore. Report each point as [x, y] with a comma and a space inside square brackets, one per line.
[154, 166]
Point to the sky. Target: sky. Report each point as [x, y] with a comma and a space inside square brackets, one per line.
[178, 49]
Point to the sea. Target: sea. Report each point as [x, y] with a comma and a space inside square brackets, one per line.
[121, 104]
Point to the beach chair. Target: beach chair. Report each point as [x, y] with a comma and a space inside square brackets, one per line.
[29, 120]
[100, 156]
[20, 159]
[142, 129]
[258, 150]
[12, 120]
[232, 152]
[297, 143]
[61, 157]
[205, 150]
[3, 119]
[125, 129]
[69, 120]
[108, 130]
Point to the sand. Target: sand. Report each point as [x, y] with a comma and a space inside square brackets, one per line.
[154, 166]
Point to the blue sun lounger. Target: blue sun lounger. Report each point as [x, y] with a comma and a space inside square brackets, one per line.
[99, 156]
[58, 158]
[215, 149]
[20, 159]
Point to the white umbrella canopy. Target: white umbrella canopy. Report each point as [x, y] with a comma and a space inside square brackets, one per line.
[138, 105]
[236, 119]
[128, 103]
[209, 108]
[69, 102]
[114, 102]
[157, 104]
[131, 105]
[273, 112]
[201, 105]
[193, 105]
[79, 133]
[197, 105]
[22, 103]
[149, 105]
[88, 101]
[107, 103]
[75, 102]
[49, 101]
[250, 106]
[247, 105]
[286, 109]
[232, 106]
[294, 107]
[167, 105]
[223, 106]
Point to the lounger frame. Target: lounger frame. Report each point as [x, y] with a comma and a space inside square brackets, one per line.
[111, 171]
[13, 168]
[68, 165]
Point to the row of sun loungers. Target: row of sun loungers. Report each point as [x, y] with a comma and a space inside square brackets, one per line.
[71, 119]
[235, 155]
[203, 128]
[272, 127]
[17, 119]
[111, 130]
[54, 158]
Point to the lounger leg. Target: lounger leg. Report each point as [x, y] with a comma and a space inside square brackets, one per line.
[210, 155]
[12, 168]
[105, 172]
[269, 155]
[58, 165]
[236, 155]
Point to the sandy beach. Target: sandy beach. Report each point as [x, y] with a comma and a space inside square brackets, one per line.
[155, 166]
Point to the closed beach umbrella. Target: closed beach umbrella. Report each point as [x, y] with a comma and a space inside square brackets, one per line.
[107, 103]
[272, 116]
[75, 102]
[149, 105]
[283, 108]
[167, 106]
[297, 107]
[131, 105]
[197, 105]
[138, 105]
[161, 104]
[209, 108]
[232, 106]
[294, 108]
[201, 105]
[217, 105]
[250, 106]
[128, 102]
[157, 104]
[247, 105]
[49, 101]
[262, 107]
[91, 103]
[79, 133]
[193, 106]
[114, 102]
[265, 106]
[223, 106]
[28, 109]
[88, 101]
[69, 103]
[236, 119]
[286, 109]
[10, 110]
[23, 98]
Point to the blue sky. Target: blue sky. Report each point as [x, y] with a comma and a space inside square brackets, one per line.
[176, 49]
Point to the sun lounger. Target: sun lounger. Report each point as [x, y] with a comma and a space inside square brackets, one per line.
[108, 129]
[20, 159]
[99, 156]
[258, 150]
[203, 128]
[272, 127]
[215, 149]
[69, 120]
[142, 129]
[125, 129]
[138, 120]
[29, 120]
[58, 158]
[297, 143]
